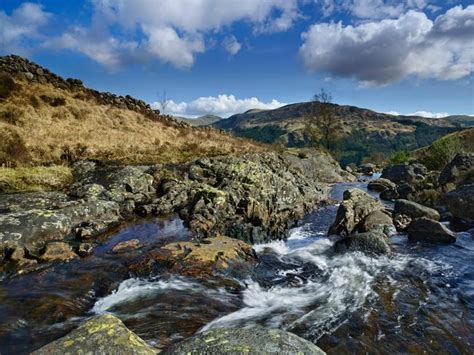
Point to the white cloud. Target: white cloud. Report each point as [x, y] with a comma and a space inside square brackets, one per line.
[386, 51]
[21, 26]
[421, 114]
[175, 31]
[231, 45]
[222, 105]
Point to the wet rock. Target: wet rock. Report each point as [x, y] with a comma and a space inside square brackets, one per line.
[255, 340]
[401, 173]
[401, 222]
[18, 256]
[104, 334]
[85, 249]
[429, 230]
[126, 246]
[415, 210]
[381, 184]
[57, 251]
[458, 172]
[368, 169]
[460, 203]
[378, 221]
[355, 207]
[370, 242]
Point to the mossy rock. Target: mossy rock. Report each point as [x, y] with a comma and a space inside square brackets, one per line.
[103, 334]
[256, 340]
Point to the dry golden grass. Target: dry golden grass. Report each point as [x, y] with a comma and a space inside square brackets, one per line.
[59, 125]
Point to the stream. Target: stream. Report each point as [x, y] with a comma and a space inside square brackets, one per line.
[420, 299]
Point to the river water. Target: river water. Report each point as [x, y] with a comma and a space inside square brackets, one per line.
[420, 299]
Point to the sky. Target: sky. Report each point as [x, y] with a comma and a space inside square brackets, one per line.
[228, 56]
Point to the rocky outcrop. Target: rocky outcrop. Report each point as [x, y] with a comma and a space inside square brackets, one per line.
[371, 243]
[425, 229]
[255, 340]
[104, 334]
[355, 208]
[459, 172]
[401, 173]
[460, 203]
[415, 210]
[368, 169]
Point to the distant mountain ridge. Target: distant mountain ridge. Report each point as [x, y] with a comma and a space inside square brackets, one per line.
[205, 120]
[364, 132]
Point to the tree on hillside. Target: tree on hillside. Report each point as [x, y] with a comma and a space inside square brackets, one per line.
[163, 101]
[322, 125]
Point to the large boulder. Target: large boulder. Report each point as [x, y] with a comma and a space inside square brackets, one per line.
[381, 184]
[104, 334]
[425, 229]
[371, 243]
[378, 221]
[460, 202]
[415, 210]
[255, 340]
[402, 173]
[458, 172]
[354, 208]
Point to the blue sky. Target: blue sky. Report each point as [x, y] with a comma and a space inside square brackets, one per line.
[227, 56]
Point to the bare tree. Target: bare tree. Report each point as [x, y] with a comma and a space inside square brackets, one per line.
[322, 124]
[163, 100]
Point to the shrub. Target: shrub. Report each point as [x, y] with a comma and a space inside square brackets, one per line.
[400, 157]
[441, 152]
[7, 85]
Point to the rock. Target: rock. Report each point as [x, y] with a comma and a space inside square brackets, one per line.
[103, 334]
[368, 169]
[429, 230]
[401, 173]
[126, 246]
[255, 340]
[29, 75]
[355, 207]
[85, 249]
[378, 221]
[401, 222]
[57, 251]
[460, 202]
[415, 210]
[370, 242]
[207, 256]
[458, 172]
[381, 184]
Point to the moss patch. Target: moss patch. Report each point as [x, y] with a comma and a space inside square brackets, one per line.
[51, 178]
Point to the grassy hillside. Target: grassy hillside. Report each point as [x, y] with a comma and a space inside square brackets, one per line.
[47, 120]
[364, 133]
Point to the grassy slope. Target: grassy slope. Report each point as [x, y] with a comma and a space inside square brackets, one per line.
[83, 129]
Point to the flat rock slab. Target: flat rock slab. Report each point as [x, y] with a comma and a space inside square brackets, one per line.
[255, 340]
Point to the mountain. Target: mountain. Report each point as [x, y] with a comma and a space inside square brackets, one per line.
[45, 119]
[205, 120]
[364, 133]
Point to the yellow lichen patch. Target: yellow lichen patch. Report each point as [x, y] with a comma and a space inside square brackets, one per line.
[218, 251]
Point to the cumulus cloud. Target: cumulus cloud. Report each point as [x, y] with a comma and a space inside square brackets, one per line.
[222, 105]
[231, 45]
[175, 31]
[421, 114]
[20, 27]
[386, 51]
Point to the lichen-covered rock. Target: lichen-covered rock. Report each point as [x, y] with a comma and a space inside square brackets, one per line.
[104, 334]
[255, 340]
[429, 230]
[460, 202]
[354, 208]
[378, 221]
[415, 210]
[57, 251]
[370, 242]
[460, 171]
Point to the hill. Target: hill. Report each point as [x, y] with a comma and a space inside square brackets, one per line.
[45, 119]
[205, 120]
[364, 133]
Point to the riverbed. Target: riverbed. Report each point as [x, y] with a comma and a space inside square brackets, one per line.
[421, 298]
